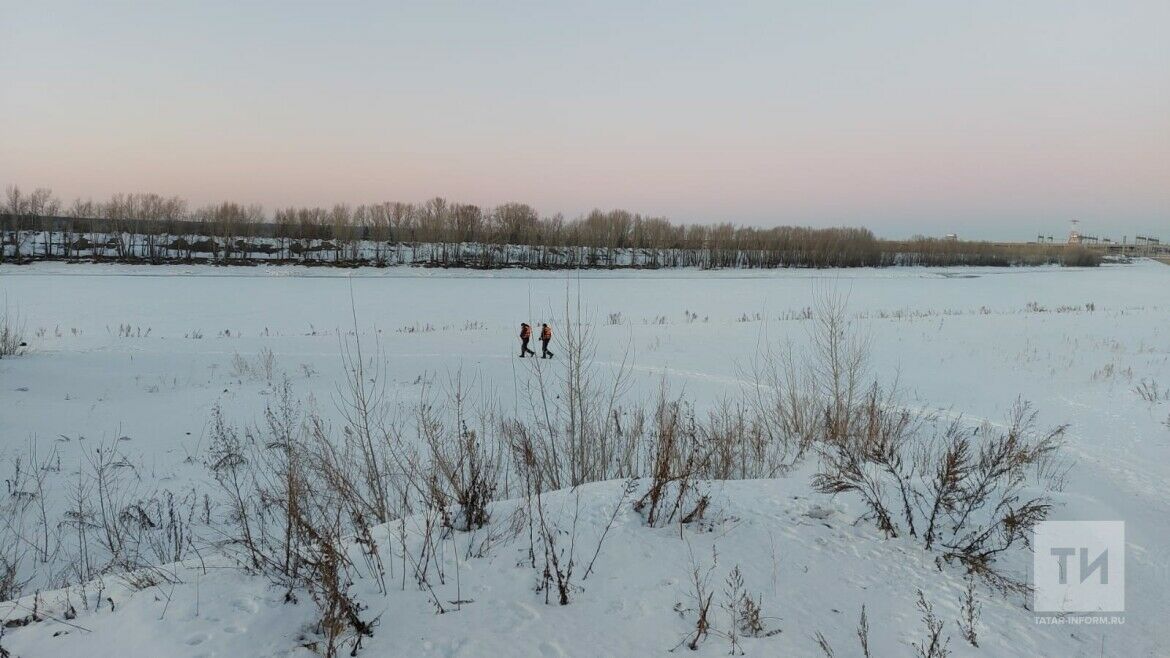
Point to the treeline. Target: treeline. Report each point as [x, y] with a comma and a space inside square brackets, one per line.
[153, 228]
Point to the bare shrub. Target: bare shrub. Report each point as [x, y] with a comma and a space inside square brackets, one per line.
[740, 446]
[964, 491]
[462, 468]
[745, 617]
[15, 551]
[800, 400]
[840, 362]
[303, 499]
[701, 596]
[864, 463]
[960, 490]
[286, 522]
[329, 578]
[933, 645]
[229, 465]
[993, 509]
[367, 463]
[785, 406]
[677, 458]
[969, 610]
[114, 485]
[12, 340]
[557, 561]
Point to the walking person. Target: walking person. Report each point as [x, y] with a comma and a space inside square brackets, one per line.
[525, 335]
[545, 337]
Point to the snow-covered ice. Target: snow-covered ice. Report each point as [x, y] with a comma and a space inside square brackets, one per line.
[144, 353]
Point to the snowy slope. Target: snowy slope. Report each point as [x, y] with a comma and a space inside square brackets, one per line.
[802, 554]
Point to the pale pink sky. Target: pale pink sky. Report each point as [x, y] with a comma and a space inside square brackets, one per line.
[994, 119]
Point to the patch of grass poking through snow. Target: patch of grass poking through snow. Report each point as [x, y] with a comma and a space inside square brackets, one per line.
[261, 367]
[127, 330]
[862, 638]
[1149, 391]
[12, 342]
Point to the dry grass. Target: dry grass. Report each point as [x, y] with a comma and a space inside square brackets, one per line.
[12, 333]
[933, 644]
[1149, 391]
[300, 498]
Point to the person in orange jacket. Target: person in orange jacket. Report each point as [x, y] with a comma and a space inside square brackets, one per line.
[525, 334]
[545, 337]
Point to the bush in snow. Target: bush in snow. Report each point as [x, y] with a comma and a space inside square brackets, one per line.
[284, 522]
[677, 458]
[969, 609]
[12, 341]
[958, 489]
[933, 645]
[965, 492]
[464, 470]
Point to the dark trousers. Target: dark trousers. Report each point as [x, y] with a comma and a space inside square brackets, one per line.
[524, 348]
[544, 353]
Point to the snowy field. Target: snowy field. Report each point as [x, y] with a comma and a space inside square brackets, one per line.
[140, 356]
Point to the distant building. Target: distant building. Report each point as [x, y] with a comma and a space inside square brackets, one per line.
[951, 237]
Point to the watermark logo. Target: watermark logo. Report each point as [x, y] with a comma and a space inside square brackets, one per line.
[1079, 566]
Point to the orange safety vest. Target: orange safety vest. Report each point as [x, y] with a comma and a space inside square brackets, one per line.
[546, 333]
[525, 331]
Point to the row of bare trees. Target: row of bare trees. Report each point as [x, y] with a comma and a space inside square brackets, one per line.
[156, 228]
